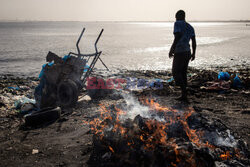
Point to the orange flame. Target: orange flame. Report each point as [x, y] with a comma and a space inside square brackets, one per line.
[156, 133]
[111, 149]
[225, 156]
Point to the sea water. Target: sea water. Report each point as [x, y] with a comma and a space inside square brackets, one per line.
[124, 45]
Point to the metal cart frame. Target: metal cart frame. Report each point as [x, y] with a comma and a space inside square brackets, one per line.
[96, 56]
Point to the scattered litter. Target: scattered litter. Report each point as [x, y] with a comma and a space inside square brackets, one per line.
[224, 76]
[246, 92]
[14, 88]
[107, 155]
[35, 151]
[43, 68]
[217, 85]
[84, 98]
[4, 101]
[21, 100]
[26, 108]
[24, 87]
[9, 148]
[157, 83]
[170, 80]
[237, 82]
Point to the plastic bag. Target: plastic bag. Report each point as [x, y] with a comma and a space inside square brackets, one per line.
[22, 100]
[237, 82]
[224, 76]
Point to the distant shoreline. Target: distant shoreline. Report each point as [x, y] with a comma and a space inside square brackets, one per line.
[204, 21]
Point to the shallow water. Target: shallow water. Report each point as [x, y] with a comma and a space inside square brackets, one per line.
[125, 45]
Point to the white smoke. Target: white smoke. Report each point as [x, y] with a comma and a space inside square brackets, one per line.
[228, 141]
[135, 108]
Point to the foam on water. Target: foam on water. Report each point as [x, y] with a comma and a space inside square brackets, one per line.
[210, 40]
[151, 49]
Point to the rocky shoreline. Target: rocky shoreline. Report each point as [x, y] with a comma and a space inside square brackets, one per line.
[67, 142]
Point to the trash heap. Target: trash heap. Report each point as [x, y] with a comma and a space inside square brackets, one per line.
[16, 94]
[163, 137]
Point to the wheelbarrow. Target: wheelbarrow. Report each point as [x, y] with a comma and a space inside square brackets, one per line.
[63, 80]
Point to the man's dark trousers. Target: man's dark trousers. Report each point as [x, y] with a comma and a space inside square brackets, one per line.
[179, 69]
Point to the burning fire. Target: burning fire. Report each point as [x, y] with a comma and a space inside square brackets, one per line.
[152, 133]
[225, 156]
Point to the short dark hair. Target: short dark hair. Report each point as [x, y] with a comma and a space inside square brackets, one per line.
[180, 15]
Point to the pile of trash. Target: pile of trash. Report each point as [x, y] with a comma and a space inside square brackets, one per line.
[220, 81]
[17, 95]
[17, 99]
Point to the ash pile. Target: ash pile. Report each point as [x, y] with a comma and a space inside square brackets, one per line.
[144, 133]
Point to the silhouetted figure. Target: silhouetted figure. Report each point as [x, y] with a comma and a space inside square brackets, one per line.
[181, 51]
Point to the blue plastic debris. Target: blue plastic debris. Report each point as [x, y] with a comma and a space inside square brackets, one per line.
[18, 103]
[86, 68]
[157, 84]
[14, 88]
[224, 76]
[237, 82]
[42, 71]
[66, 57]
[170, 80]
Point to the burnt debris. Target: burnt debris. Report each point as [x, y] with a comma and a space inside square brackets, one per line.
[166, 137]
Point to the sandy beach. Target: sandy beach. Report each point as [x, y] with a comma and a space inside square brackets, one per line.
[68, 141]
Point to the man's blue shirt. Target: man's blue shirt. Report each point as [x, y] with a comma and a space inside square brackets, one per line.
[187, 32]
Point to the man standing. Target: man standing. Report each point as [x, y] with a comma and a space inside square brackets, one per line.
[181, 52]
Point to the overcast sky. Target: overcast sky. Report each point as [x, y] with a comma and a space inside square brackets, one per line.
[123, 10]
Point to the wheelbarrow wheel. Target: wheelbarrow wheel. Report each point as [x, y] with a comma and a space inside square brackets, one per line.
[67, 94]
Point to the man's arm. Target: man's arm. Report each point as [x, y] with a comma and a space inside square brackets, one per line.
[177, 37]
[194, 48]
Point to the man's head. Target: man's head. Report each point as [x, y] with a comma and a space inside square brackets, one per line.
[180, 15]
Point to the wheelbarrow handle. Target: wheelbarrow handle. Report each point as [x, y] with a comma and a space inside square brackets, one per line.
[78, 41]
[98, 40]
